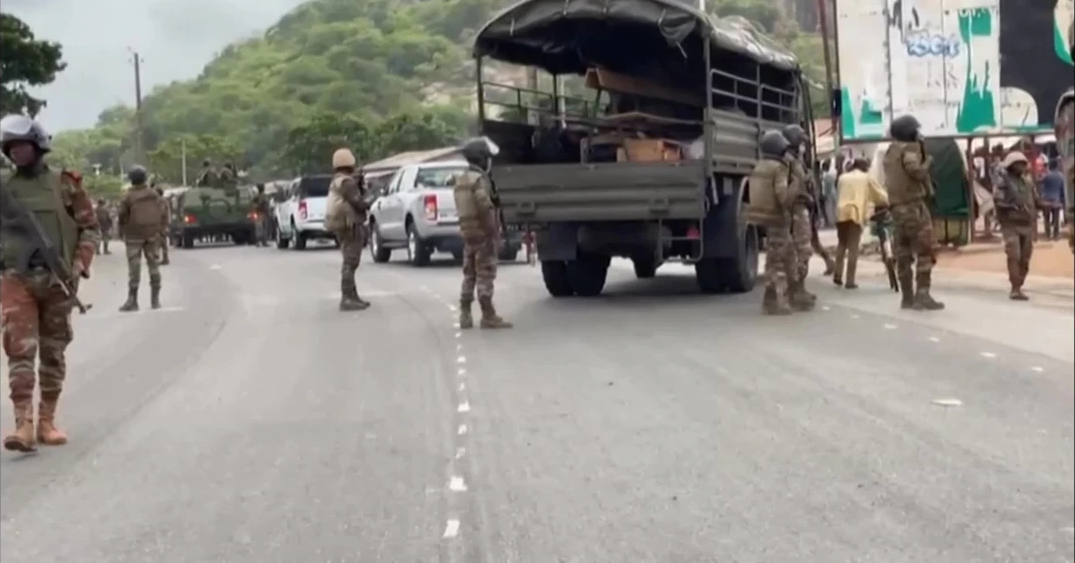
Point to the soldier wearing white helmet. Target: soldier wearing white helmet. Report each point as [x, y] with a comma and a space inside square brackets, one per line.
[345, 217]
[1016, 201]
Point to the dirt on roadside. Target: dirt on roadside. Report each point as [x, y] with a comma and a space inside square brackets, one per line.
[1050, 259]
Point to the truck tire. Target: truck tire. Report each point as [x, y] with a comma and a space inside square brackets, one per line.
[281, 241]
[380, 254]
[188, 240]
[587, 274]
[418, 252]
[554, 273]
[645, 268]
[741, 272]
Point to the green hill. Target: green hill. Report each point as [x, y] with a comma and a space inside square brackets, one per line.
[399, 70]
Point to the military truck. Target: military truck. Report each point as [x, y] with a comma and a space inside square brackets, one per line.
[653, 168]
[206, 212]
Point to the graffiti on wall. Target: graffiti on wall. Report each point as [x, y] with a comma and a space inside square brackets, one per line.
[941, 60]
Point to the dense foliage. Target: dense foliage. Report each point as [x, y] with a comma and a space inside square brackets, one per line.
[381, 76]
[26, 61]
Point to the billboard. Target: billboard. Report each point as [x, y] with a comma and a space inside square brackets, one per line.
[962, 67]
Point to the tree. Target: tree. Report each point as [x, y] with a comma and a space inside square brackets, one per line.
[26, 62]
[309, 147]
[413, 131]
[166, 161]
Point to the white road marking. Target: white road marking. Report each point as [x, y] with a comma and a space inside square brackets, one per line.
[451, 529]
[460, 452]
[461, 360]
[458, 346]
[1037, 369]
[1069, 529]
[854, 316]
[457, 485]
[451, 307]
[989, 355]
[826, 308]
[934, 339]
[215, 267]
[458, 334]
[462, 429]
[464, 407]
[461, 372]
[455, 325]
[891, 327]
[948, 402]
[462, 386]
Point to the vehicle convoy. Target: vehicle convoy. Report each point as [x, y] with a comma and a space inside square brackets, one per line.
[658, 174]
[300, 214]
[417, 212]
[208, 211]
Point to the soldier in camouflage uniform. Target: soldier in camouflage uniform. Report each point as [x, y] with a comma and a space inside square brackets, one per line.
[208, 177]
[167, 221]
[36, 310]
[142, 216]
[1016, 201]
[228, 178]
[910, 187]
[345, 217]
[480, 227]
[771, 204]
[104, 222]
[262, 209]
[801, 226]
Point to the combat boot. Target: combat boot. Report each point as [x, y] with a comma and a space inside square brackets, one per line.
[489, 317]
[923, 301]
[1017, 294]
[357, 298]
[772, 304]
[131, 305]
[800, 300]
[906, 292]
[466, 318]
[155, 296]
[47, 432]
[23, 438]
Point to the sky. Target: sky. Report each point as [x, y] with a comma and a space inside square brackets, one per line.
[175, 38]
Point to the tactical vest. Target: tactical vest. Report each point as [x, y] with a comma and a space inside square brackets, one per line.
[471, 222]
[902, 188]
[42, 196]
[145, 219]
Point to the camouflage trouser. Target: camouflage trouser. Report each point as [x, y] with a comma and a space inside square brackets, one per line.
[351, 244]
[164, 247]
[1018, 246]
[912, 242]
[36, 321]
[479, 268]
[801, 233]
[779, 260]
[103, 243]
[151, 249]
[262, 227]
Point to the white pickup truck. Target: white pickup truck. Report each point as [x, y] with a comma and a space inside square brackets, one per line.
[417, 212]
[300, 213]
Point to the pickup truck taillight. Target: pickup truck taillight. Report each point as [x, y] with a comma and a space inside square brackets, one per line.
[253, 215]
[303, 210]
[430, 202]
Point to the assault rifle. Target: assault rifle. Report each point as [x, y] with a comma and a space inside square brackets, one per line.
[15, 217]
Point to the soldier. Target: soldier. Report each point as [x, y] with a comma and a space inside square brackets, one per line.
[228, 177]
[142, 214]
[1016, 201]
[771, 204]
[167, 220]
[104, 222]
[345, 217]
[909, 188]
[207, 178]
[262, 210]
[36, 309]
[801, 225]
[478, 223]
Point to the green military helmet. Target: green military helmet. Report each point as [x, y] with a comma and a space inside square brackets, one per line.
[773, 144]
[905, 128]
[795, 135]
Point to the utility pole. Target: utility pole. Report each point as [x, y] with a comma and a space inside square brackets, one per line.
[139, 139]
[183, 151]
[830, 81]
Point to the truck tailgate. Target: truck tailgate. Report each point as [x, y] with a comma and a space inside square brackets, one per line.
[613, 191]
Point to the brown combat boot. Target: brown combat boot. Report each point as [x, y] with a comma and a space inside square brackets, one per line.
[466, 318]
[907, 292]
[923, 301]
[155, 296]
[772, 304]
[1017, 294]
[23, 438]
[131, 305]
[349, 299]
[800, 299]
[47, 432]
[489, 317]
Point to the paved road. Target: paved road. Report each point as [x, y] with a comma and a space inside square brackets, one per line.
[251, 422]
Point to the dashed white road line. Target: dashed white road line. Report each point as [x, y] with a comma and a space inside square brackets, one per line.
[457, 484]
[854, 316]
[989, 355]
[461, 360]
[462, 386]
[460, 452]
[948, 402]
[458, 334]
[215, 267]
[934, 339]
[1037, 369]
[891, 326]
[464, 407]
[461, 372]
[462, 429]
[451, 529]
[826, 308]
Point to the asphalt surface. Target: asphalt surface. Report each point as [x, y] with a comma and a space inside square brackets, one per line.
[250, 421]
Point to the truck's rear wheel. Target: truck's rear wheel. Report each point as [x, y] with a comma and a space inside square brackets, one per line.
[587, 273]
[554, 273]
[737, 274]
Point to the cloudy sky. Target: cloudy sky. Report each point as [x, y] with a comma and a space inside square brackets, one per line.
[176, 38]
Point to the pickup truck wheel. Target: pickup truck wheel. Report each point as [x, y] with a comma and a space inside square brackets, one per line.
[300, 238]
[708, 274]
[645, 268]
[418, 252]
[587, 274]
[282, 242]
[554, 272]
[741, 272]
[377, 249]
